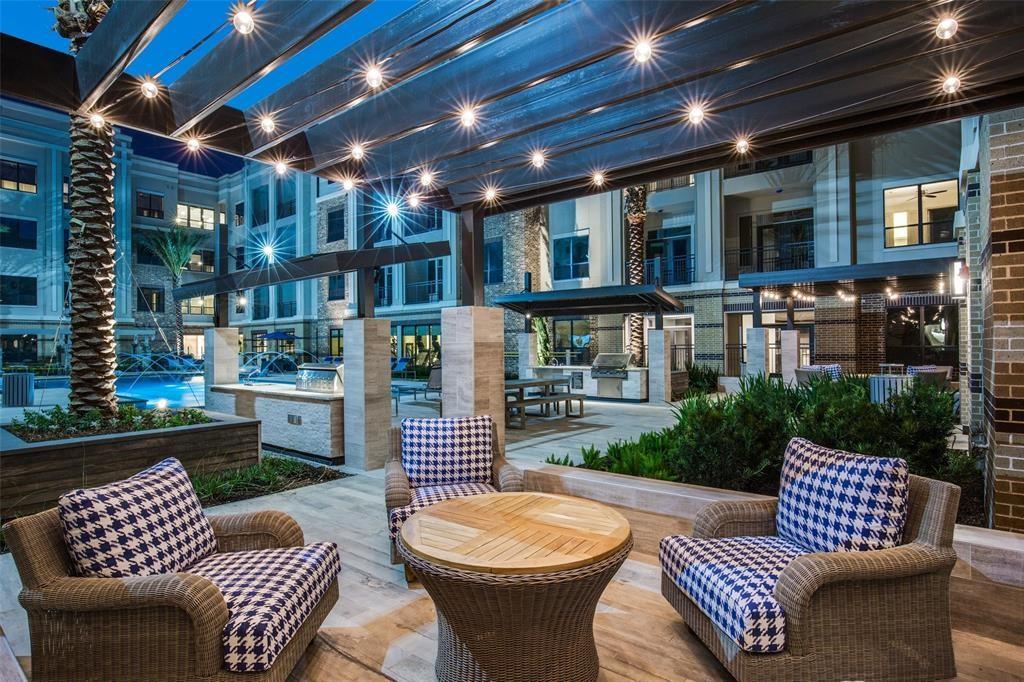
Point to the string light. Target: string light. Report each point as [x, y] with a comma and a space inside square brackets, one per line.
[413, 200]
[695, 114]
[149, 88]
[426, 178]
[241, 300]
[243, 21]
[193, 144]
[643, 50]
[281, 167]
[951, 84]
[268, 251]
[267, 124]
[467, 117]
[347, 184]
[491, 194]
[358, 152]
[946, 28]
[374, 76]
[742, 145]
[392, 209]
[537, 159]
[597, 179]
[96, 121]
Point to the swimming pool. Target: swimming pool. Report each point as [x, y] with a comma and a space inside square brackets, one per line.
[177, 392]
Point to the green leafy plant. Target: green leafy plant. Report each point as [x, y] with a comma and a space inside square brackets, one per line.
[564, 461]
[270, 475]
[544, 352]
[703, 378]
[58, 423]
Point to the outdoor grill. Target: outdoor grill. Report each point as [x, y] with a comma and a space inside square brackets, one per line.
[610, 365]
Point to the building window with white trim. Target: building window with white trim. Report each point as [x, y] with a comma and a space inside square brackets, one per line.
[571, 257]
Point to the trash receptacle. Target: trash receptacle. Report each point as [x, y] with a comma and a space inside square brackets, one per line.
[19, 389]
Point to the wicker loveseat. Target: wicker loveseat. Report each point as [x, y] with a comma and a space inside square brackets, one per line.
[207, 622]
[782, 611]
[442, 469]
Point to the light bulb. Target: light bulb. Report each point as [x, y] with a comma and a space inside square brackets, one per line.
[193, 144]
[243, 21]
[696, 114]
[281, 167]
[268, 251]
[392, 209]
[642, 51]
[347, 184]
[267, 124]
[537, 159]
[597, 178]
[241, 301]
[951, 84]
[467, 117]
[946, 28]
[358, 152]
[374, 76]
[97, 121]
[742, 145]
[414, 200]
[491, 193]
[426, 178]
[149, 89]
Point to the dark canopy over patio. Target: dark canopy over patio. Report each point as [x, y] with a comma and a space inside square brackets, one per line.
[643, 298]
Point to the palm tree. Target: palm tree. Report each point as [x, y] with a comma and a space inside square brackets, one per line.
[92, 247]
[174, 248]
[636, 238]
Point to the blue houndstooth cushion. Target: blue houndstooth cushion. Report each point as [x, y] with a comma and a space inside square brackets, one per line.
[269, 594]
[833, 372]
[148, 524]
[443, 451]
[835, 501]
[914, 369]
[424, 497]
[732, 580]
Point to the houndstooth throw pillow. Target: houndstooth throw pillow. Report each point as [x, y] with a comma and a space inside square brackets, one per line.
[148, 524]
[450, 450]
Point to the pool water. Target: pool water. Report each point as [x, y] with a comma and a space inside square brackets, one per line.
[177, 392]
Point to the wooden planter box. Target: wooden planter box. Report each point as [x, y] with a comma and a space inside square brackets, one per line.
[34, 475]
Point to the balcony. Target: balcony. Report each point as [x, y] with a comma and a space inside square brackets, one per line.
[669, 271]
[937, 232]
[382, 297]
[773, 164]
[789, 256]
[287, 308]
[429, 291]
[260, 311]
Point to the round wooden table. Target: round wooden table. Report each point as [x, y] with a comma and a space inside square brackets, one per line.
[516, 578]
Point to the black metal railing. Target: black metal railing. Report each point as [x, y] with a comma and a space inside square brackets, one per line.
[806, 354]
[260, 311]
[669, 271]
[382, 297]
[572, 270]
[670, 183]
[938, 232]
[735, 356]
[287, 308]
[681, 354]
[772, 164]
[790, 256]
[430, 291]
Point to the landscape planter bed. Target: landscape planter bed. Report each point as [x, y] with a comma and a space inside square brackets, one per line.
[34, 475]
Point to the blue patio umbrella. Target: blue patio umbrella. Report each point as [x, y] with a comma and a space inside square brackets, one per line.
[281, 336]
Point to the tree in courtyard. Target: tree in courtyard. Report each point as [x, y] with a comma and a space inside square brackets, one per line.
[540, 327]
[174, 249]
[92, 247]
[635, 199]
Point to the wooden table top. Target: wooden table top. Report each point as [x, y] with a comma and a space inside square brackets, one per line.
[512, 384]
[515, 533]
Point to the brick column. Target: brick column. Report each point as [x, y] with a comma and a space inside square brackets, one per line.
[835, 332]
[367, 392]
[870, 333]
[972, 319]
[473, 375]
[1002, 282]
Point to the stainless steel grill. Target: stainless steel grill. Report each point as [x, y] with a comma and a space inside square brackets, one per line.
[610, 365]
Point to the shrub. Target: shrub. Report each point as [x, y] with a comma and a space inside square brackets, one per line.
[58, 423]
[703, 378]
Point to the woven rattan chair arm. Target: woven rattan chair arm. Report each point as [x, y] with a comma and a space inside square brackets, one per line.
[397, 492]
[735, 519]
[196, 596]
[507, 478]
[256, 530]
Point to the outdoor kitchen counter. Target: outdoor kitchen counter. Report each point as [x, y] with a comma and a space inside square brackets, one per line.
[634, 386]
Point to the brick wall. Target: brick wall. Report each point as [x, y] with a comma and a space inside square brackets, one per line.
[330, 314]
[870, 332]
[972, 407]
[836, 332]
[1002, 284]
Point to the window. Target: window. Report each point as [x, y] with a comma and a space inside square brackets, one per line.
[258, 340]
[260, 205]
[145, 256]
[149, 299]
[200, 305]
[17, 290]
[920, 214]
[150, 205]
[239, 258]
[916, 335]
[240, 214]
[195, 216]
[424, 281]
[17, 176]
[66, 191]
[426, 219]
[261, 303]
[287, 304]
[202, 261]
[336, 342]
[383, 286]
[284, 243]
[19, 348]
[285, 197]
[336, 288]
[572, 341]
[572, 257]
[17, 233]
[494, 262]
[336, 225]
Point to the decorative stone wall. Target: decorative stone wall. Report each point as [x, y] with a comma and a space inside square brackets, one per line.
[870, 333]
[330, 314]
[155, 277]
[972, 405]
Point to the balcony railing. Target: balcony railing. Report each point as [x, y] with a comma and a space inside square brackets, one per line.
[735, 356]
[670, 183]
[430, 291]
[791, 256]
[669, 271]
[681, 354]
[287, 308]
[260, 311]
[772, 164]
[938, 232]
[382, 297]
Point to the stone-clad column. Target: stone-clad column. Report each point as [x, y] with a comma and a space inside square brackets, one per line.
[220, 362]
[659, 367]
[790, 355]
[472, 368]
[527, 342]
[757, 352]
[367, 392]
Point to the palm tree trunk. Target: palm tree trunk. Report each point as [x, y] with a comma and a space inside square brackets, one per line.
[179, 323]
[91, 248]
[636, 238]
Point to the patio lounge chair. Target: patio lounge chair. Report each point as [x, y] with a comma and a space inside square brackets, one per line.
[433, 383]
[427, 464]
[804, 376]
[811, 587]
[167, 593]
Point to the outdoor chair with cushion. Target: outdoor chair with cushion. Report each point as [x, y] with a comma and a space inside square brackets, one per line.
[130, 581]
[844, 577]
[433, 383]
[431, 460]
[933, 377]
[804, 376]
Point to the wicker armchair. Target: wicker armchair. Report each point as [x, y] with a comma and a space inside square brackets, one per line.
[869, 615]
[398, 492]
[158, 627]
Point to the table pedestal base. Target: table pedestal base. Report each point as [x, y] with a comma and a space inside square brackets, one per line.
[498, 628]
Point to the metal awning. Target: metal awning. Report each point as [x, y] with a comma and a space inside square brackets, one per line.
[863, 278]
[643, 298]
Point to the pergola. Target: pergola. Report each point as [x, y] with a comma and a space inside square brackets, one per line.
[485, 106]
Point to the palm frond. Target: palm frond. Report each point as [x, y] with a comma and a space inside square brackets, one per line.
[175, 247]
